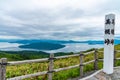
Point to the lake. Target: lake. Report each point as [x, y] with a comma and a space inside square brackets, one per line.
[70, 47]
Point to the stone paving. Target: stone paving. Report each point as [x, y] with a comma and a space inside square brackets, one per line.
[102, 76]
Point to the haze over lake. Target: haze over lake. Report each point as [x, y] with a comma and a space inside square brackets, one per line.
[76, 47]
[70, 47]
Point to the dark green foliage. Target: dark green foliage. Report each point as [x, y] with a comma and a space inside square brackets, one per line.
[60, 63]
[42, 46]
[26, 55]
[63, 53]
[22, 55]
[90, 50]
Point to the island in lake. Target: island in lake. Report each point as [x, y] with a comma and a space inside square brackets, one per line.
[42, 46]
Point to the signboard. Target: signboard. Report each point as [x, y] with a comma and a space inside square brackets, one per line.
[109, 43]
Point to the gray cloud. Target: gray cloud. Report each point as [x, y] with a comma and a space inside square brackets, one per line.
[74, 20]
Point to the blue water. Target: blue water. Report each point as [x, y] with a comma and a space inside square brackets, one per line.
[76, 47]
[71, 47]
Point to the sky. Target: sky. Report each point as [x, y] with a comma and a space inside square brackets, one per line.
[56, 19]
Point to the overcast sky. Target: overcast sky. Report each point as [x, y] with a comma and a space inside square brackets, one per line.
[56, 19]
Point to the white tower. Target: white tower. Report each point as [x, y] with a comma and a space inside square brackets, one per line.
[109, 43]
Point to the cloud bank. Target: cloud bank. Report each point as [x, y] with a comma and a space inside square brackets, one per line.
[56, 19]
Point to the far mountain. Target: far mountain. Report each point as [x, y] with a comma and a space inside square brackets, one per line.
[91, 42]
[49, 41]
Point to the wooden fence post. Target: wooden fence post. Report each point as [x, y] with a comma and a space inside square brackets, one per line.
[3, 63]
[81, 64]
[96, 60]
[115, 57]
[51, 65]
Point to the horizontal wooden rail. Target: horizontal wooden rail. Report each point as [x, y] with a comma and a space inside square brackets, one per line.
[45, 72]
[118, 50]
[51, 65]
[28, 76]
[100, 51]
[28, 61]
[115, 50]
[62, 57]
[88, 62]
[117, 58]
[66, 68]
[41, 73]
[100, 59]
[45, 59]
[74, 55]
[89, 52]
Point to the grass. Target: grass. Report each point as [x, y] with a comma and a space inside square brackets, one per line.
[23, 69]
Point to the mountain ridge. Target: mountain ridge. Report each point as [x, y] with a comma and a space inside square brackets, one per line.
[91, 42]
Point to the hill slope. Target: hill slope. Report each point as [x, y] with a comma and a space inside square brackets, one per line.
[13, 71]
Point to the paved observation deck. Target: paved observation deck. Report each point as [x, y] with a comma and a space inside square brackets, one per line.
[100, 75]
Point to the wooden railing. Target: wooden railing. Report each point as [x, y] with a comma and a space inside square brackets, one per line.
[4, 63]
